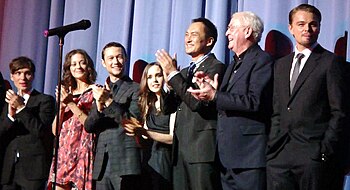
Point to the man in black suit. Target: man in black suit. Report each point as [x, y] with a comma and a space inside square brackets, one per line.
[117, 161]
[2, 92]
[25, 131]
[2, 102]
[244, 105]
[306, 144]
[195, 126]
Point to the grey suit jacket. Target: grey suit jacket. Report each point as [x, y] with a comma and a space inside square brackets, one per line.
[195, 125]
[30, 135]
[123, 151]
[314, 114]
[244, 106]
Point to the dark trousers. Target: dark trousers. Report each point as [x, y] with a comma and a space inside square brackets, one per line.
[128, 182]
[158, 182]
[193, 176]
[110, 181]
[293, 169]
[20, 181]
[243, 179]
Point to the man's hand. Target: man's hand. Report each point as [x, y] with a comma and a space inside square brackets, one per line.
[132, 126]
[11, 111]
[201, 77]
[101, 95]
[14, 100]
[207, 87]
[167, 63]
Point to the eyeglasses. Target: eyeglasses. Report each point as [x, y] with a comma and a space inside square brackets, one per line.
[234, 27]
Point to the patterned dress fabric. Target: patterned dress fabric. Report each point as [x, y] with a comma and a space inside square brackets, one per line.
[76, 148]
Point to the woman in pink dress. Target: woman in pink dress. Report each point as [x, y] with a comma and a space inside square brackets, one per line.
[76, 146]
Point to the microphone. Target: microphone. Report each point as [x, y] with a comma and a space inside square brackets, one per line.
[63, 30]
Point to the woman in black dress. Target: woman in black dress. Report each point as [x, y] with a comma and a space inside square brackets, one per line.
[156, 124]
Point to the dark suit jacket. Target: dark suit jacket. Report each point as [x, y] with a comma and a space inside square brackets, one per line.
[123, 151]
[195, 125]
[30, 134]
[2, 92]
[314, 114]
[2, 102]
[244, 109]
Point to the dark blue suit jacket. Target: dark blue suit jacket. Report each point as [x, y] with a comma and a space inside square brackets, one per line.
[244, 107]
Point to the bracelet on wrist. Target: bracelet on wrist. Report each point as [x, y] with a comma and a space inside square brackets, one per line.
[80, 114]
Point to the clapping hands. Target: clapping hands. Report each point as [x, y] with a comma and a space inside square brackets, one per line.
[207, 86]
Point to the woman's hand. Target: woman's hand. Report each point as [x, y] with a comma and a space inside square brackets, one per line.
[66, 96]
[133, 127]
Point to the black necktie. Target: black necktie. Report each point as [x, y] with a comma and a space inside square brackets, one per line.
[190, 72]
[295, 73]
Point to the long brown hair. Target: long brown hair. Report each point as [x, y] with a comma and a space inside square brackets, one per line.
[68, 79]
[147, 98]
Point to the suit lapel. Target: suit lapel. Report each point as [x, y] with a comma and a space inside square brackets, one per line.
[310, 65]
[227, 76]
[203, 66]
[32, 97]
[247, 63]
[285, 73]
[120, 91]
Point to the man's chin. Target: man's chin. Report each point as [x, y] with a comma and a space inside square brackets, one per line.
[308, 44]
[118, 74]
[26, 89]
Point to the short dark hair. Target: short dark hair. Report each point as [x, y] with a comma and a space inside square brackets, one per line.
[113, 44]
[210, 29]
[307, 8]
[20, 63]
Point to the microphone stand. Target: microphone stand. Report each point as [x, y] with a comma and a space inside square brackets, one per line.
[61, 33]
[58, 108]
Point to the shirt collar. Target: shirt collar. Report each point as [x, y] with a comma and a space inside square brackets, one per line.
[26, 96]
[307, 51]
[201, 59]
[242, 55]
[114, 85]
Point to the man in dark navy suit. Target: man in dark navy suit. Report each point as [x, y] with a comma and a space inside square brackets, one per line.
[244, 106]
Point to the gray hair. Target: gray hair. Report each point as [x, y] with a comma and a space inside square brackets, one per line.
[252, 20]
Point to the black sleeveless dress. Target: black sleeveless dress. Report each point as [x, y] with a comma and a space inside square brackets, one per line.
[160, 159]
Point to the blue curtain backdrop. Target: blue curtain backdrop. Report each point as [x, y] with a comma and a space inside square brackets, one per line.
[143, 26]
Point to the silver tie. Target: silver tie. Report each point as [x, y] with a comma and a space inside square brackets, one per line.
[295, 71]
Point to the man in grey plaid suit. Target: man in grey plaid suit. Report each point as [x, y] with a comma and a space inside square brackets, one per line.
[117, 163]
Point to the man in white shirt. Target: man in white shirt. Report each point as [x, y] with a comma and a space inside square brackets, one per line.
[306, 146]
[195, 127]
